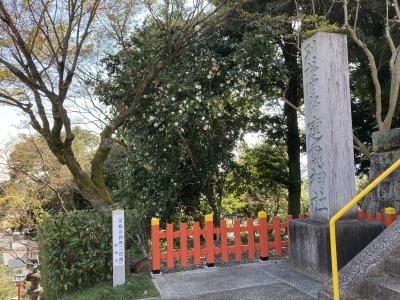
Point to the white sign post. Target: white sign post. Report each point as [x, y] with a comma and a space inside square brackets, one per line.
[118, 240]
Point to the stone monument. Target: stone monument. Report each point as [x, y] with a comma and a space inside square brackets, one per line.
[330, 159]
[386, 147]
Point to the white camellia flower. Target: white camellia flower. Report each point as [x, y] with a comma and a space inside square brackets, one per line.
[209, 76]
[180, 111]
[176, 124]
[219, 114]
[151, 118]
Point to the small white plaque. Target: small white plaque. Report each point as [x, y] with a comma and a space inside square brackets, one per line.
[118, 240]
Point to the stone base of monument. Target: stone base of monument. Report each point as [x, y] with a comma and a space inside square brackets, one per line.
[310, 244]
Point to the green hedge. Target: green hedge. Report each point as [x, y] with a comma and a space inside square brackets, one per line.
[75, 251]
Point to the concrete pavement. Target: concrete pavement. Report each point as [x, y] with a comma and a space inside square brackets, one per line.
[259, 280]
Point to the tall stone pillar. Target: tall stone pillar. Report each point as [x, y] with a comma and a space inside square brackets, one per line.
[329, 137]
[330, 159]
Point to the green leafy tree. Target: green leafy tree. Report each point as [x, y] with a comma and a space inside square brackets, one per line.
[181, 148]
[259, 182]
[38, 183]
[43, 45]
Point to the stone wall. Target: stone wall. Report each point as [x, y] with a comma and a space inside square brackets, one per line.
[386, 147]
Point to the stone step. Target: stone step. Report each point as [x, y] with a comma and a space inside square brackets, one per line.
[392, 266]
[384, 287]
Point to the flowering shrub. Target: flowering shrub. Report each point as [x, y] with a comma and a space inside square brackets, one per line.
[179, 144]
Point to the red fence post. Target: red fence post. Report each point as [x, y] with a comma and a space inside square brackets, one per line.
[378, 217]
[18, 285]
[390, 216]
[238, 240]
[209, 229]
[155, 245]
[183, 244]
[170, 246]
[196, 243]
[224, 241]
[360, 215]
[289, 217]
[263, 235]
[302, 216]
[370, 216]
[250, 238]
[277, 232]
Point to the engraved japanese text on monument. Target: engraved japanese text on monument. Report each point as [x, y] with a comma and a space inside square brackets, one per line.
[316, 173]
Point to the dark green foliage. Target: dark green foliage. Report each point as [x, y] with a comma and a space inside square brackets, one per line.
[179, 145]
[75, 251]
[259, 182]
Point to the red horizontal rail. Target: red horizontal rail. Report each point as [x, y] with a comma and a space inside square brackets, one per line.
[209, 241]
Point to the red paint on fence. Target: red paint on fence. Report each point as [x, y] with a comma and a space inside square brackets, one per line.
[250, 238]
[183, 244]
[196, 242]
[238, 242]
[387, 219]
[155, 247]
[216, 240]
[277, 233]
[224, 241]
[209, 228]
[170, 246]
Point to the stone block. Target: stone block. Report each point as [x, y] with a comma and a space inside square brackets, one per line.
[383, 141]
[385, 159]
[387, 193]
[369, 262]
[310, 244]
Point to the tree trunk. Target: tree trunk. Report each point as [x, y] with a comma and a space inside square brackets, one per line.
[293, 147]
[92, 187]
[290, 53]
[212, 201]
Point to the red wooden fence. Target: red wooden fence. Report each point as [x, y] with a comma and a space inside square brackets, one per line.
[386, 219]
[258, 230]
